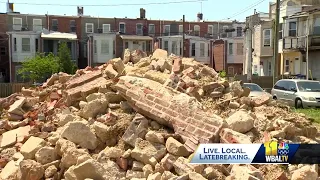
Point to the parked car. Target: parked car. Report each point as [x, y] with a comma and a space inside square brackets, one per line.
[255, 89]
[297, 92]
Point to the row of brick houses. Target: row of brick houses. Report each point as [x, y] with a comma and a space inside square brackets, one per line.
[95, 40]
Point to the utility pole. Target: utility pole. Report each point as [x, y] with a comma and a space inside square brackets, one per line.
[249, 55]
[276, 44]
[307, 48]
[183, 22]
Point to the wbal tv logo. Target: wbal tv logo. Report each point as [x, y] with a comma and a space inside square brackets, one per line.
[276, 153]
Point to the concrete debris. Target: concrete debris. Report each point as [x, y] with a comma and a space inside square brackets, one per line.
[141, 117]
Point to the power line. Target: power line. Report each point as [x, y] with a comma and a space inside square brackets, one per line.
[245, 9]
[111, 5]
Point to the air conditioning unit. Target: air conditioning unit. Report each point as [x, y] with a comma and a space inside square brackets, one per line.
[99, 30]
[24, 28]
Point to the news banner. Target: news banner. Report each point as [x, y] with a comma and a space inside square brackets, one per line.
[269, 152]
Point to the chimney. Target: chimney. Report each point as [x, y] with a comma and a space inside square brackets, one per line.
[80, 11]
[142, 13]
[199, 17]
[9, 7]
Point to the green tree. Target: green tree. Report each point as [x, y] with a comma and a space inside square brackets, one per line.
[64, 59]
[39, 68]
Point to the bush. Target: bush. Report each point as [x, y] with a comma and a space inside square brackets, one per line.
[40, 67]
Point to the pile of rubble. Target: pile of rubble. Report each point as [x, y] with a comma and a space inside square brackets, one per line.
[141, 117]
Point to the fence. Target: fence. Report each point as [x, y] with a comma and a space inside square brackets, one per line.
[266, 82]
[6, 89]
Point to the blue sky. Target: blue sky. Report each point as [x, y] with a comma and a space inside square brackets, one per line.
[211, 9]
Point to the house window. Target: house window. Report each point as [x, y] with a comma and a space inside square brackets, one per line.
[316, 26]
[180, 48]
[166, 45]
[180, 29]
[122, 27]
[37, 24]
[224, 34]
[3, 51]
[174, 47]
[193, 49]
[126, 45]
[151, 29]
[37, 44]
[139, 29]
[105, 28]
[166, 30]
[114, 47]
[208, 50]
[210, 29]
[287, 66]
[196, 30]
[230, 70]
[202, 49]
[25, 44]
[239, 31]
[17, 24]
[292, 28]
[73, 26]
[89, 27]
[230, 48]
[15, 44]
[267, 37]
[85, 46]
[239, 48]
[54, 25]
[280, 30]
[95, 46]
[105, 47]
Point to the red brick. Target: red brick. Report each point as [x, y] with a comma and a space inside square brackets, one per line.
[171, 113]
[148, 102]
[230, 136]
[199, 123]
[179, 124]
[210, 128]
[190, 128]
[161, 102]
[132, 95]
[158, 107]
[177, 65]
[150, 97]
[143, 106]
[83, 79]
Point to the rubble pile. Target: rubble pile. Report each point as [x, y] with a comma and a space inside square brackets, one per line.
[141, 117]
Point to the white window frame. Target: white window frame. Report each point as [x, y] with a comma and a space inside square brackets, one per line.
[239, 48]
[266, 38]
[124, 27]
[224, 33]
[202, 49]
[174, 47]
[287, 66]
[196, 30]
[17, 26]
[290, 30]
[151, 26]
[210, 27]
[87, 24]
[56, 25]
[241, 32]
[37, 27]
[26, 44]
[166, 28]
[106, 28]
[230, 48]
[180, 29]
[104, 47]
[139, 31]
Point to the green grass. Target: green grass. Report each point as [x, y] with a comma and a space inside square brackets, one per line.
[311, 113]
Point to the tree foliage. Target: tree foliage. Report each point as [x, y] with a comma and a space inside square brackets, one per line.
[39, 67]
[65, 63]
